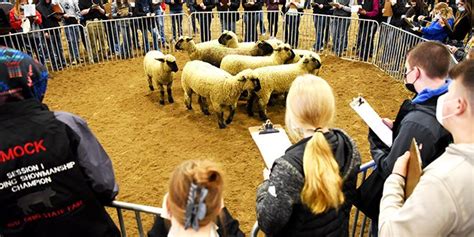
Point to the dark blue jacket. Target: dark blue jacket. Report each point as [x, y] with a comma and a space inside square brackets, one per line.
[176, 7]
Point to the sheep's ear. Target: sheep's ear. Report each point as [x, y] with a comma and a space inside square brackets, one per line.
[318, 64]
[188, 39]
[160, 59]
[242, 79]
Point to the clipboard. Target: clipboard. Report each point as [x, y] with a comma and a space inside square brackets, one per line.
[371, 118]
[414, 170]
[271, 145]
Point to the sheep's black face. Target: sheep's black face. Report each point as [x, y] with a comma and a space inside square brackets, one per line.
[265, 48]
[179, 43]
[172, 65]
[256, 84]
[316, 62]
[224, 38]
[292, 55]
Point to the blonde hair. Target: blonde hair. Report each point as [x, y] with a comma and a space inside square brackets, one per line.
[204, 174]
[311, 104]
[444, 10]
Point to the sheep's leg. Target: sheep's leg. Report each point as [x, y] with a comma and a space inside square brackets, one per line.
[203, 104]
[250, 102]
[231, 114]
[262, 107]
[273, 99]
[220, 118]
[170, 93]
[150, 83]
[162, 94]
[188, 98]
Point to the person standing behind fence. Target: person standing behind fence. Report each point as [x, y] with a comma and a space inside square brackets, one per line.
[228, 14]
[59, 176]
[251, 19]
[144, 21]
[427, 66]
[321, 22]
[176, 7]
[159, 37]
[442, 202]
[371, 10]
[54, 43]
[293, 8]
[273, 11]
[191, 9]
[32, 42]
[121, 10]
[204, 16]
[340, 25]
[310, 189]
[92, 12]
[71, 17]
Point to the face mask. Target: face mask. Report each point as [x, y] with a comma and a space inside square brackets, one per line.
[411, 86]
[461, 9]
[439, 109]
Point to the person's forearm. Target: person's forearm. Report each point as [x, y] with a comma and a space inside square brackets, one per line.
[392, 201]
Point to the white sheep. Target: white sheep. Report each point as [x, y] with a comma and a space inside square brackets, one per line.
[214, 54]
[278, 79]
[159, 68]
[234, 64]
[216, 85]
[228, 39]
[274, 42]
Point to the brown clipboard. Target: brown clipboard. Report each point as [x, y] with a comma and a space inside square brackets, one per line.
[414, 170]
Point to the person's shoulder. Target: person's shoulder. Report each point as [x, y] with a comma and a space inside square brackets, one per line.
[69, 118]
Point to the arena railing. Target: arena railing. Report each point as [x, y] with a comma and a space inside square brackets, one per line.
[363, 170]
[137, 209]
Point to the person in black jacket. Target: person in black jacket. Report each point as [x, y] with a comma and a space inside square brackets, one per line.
[145, 24]
[204, 16]
[56, 177]
[416, 119]
[310, 189]
[228, 14]
[93, 11]
[462, 24]
[251, 18]
[321, 9]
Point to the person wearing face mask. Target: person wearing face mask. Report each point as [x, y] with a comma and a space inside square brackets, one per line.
[310, 189]
[426, 78]
[436, 31]
[441, 203]
[462, 23]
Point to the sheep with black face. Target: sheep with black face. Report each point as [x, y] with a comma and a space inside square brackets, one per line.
[160, 68]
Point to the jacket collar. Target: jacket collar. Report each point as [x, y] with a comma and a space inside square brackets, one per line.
[14, 109]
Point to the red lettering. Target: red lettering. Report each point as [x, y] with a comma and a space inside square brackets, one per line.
[29, 151]
[6, 157]
[18, 151]
[39, 145]
[13, 224]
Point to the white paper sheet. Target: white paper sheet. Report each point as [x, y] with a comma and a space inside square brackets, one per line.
[371, 118]
[271, 145]
[30, 10]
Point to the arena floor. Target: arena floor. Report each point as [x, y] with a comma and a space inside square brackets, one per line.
[146, 140]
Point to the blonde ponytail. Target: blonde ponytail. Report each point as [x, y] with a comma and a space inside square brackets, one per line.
[323, 184]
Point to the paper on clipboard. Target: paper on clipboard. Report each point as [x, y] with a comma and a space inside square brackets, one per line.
[272, 145]
[29, 10]
[371, 118]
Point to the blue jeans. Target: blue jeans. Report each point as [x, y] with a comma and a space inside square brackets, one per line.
[126, 46]
[177, 24]
[72, 35]
[321, 26]
[205, 19]
[292, 26]
[159, 29]
[55, 49]
[339, 38]
[260, 22]
[273, 23]
[228, 20]
[251, 20]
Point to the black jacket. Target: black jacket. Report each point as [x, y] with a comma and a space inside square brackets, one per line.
[209, 4]
[234, 5]
[58, 175]
[93, 13]
[48, 17]
[398, 9]
[285, 215]
[461, 28]
[326, 10]
[255, 7]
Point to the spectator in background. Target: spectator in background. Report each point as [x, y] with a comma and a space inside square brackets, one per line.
[310, 189]
[204, 9]
[195, 204]
[144, 22]
[370, 10]
[427, 66]
[340, 25]
[71, 17]
[191, 9]
[462, 24]
[292, 21]
[50, 19]
[414, 15]
[251, 19]
[273, 10]
[435, 31]
[93, 11]
[30, 43]
[176, 7]
[158, 7]
[121, 10]
[260, 20]
[321, 22]
[461, 53]
[443, 196]
[228, 15]
[74, 174]
[399, 9]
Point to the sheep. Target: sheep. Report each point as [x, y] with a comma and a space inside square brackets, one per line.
[221, 88]
[274, 42]
[160, 68]
[228, 39]
[278, 79]
[234, 64]
[215, 54]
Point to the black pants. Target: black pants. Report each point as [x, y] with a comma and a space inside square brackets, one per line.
[205, 20]
[251, 21]
[365, 39]
[291, 29]
[273, 23]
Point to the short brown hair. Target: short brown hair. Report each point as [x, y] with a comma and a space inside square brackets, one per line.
[432, 57]
[464, 72]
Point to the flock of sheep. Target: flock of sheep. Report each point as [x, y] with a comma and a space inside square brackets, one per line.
[223, 71]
